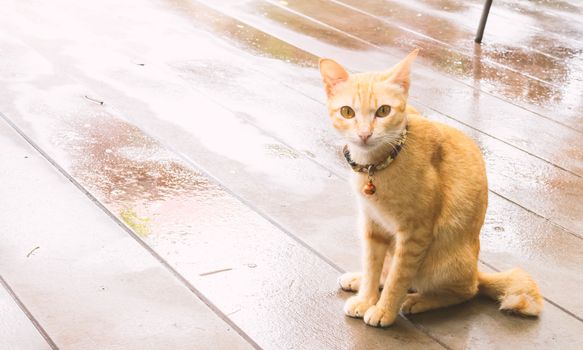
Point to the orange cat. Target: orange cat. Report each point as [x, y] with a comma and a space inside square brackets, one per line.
[422, 194]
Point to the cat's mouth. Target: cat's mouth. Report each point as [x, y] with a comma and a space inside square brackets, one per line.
[365, 145]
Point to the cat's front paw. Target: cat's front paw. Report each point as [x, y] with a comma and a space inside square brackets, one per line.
[377, 316]
[356, 306]
[350, 281]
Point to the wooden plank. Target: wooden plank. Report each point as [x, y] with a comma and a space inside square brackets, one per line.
[537, 179]
[277, 290]
[250, 270]
[16, 329]
[455, 96]
[509, 41]
[515, 24]
[559, 20]
[200, 259]
[544, 86]
[481, 112]
[273, 167]
[84, 279]
[281, 188]
[238, 260]
[481, 313]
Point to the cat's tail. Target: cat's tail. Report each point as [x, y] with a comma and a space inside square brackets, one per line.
[514, 289]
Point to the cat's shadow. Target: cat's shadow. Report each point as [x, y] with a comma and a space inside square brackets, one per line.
[473, 319]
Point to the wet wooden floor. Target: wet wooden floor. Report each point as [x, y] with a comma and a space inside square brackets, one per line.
[170, 178]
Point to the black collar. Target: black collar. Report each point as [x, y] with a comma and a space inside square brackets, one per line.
[372, 168]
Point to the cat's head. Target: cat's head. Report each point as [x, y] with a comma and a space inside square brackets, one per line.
[368, 109]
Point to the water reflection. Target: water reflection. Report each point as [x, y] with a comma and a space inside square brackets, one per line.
[251, 39]
[444, 47]
[117, 160]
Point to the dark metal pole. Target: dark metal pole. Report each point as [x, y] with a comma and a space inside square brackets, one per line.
[483, 20]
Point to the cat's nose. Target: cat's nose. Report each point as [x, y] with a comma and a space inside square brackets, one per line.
[364, 135]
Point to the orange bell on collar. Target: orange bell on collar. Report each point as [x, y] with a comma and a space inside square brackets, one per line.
[369, 189]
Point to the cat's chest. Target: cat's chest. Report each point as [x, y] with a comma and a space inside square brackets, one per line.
[386, 190]
[382, 206]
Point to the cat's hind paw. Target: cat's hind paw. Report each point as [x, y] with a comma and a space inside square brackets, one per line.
[413, 304]
[350, 281]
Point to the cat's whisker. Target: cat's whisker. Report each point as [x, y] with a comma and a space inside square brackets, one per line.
[390, 143]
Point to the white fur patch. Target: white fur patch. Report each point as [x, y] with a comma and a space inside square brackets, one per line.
[522, 304]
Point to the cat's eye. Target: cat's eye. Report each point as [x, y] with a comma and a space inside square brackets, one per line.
[347, 112]
[383, 111]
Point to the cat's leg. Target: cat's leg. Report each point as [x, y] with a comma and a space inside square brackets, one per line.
[445, 280]
[409, 252]
[449, 284]
[419, 302]
[350, 281]
[374, 252]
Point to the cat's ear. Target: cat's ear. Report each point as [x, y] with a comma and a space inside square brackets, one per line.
[332, 74]
[400, 74]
